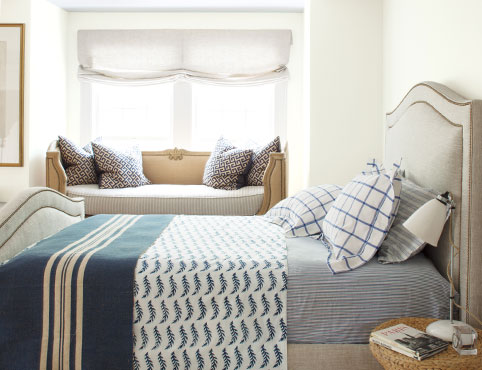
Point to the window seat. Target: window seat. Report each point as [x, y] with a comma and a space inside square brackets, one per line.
[169, 199]
[176, 177]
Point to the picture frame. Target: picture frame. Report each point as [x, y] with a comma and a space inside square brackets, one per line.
[12, 65]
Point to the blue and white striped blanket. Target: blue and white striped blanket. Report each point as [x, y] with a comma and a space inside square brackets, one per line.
[207, 292]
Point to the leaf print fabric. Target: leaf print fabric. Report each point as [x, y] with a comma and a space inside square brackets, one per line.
[211, 294]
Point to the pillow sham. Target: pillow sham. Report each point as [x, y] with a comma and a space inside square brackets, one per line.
[227, 166]
[303, 213]
[119, 168]
[78, 163]
[400, 244]
[260, 161]
[358, 221]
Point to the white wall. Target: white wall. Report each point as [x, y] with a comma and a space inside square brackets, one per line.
[438, 40]
[14, 178]
[48, 83]
[345, 88]
[44, 88]
[293, 21]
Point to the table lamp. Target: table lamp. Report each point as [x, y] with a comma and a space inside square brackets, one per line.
[427, 224]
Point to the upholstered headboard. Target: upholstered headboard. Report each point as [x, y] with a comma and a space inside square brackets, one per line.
[438, 135]
[34, 214]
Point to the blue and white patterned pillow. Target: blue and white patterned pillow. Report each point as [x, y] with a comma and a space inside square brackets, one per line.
[360, 218]
[78, 163]
[303, 213]
[400, 244]
[260, 161]
[227, 166]
[119, 168]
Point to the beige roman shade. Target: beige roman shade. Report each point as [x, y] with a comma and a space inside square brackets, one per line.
[157, 56]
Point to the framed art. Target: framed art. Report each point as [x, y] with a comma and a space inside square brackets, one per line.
[12, 49]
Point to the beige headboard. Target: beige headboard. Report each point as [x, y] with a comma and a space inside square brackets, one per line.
[438, 135]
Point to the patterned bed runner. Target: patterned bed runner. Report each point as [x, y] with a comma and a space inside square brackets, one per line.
[211, 294]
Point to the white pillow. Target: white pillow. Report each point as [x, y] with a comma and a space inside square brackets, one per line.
[303, 213]
[360, 218]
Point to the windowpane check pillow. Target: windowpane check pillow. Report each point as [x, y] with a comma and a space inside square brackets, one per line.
[303, 213]
[400, 244]
[360, 218]
[260, 161]
[227, 166]
[78, 162]
[119, 168]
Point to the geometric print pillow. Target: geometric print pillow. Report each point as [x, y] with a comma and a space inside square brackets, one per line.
[119, 168]
[400, 244]
[360, 218]
[227, 166]
[260, 161]
[303, 213]
[78, 162]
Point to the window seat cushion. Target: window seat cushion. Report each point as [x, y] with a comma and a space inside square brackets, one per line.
[170, 199]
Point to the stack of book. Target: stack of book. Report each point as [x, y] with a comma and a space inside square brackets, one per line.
[408, 341]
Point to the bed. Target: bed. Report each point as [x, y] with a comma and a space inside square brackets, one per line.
[317, 339]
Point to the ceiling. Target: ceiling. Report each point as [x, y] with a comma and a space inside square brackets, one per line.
[181, 5]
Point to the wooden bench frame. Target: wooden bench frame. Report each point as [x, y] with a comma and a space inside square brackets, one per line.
[179, 166]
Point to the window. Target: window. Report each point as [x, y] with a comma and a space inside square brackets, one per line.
[241, 114]
[187, 115]
[140, 113]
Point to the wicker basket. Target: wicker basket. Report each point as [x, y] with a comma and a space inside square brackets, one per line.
[448, 359]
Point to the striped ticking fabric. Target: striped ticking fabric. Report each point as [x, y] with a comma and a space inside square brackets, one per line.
[344, 308]
[170, 199]
[360, 218]
[400, 244]
[303, 213]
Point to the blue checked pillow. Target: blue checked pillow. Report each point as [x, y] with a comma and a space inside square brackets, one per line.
[303, 213]
[360, 218]
[78, 163]
[227, 166]
[119, 168]
[260, 162]
[400, 244]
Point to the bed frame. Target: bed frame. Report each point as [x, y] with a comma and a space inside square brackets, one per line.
[439, 136]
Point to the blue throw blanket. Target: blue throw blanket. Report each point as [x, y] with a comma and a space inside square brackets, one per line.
[67, 302]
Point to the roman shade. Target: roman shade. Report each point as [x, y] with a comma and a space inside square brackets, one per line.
[157, 56]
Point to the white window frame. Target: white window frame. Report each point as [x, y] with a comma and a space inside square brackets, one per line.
[181, 113]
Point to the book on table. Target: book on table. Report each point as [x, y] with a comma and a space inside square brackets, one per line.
[408, 341]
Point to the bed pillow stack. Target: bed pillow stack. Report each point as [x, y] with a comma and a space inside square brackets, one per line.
[361, 217]
[400, 244]
[303, 213]
[78, 163]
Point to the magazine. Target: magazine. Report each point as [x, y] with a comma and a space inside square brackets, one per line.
[408, 341]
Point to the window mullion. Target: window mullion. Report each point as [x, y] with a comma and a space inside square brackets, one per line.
[182, 115]
[87, 120]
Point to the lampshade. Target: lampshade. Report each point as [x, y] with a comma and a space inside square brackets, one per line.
[427, 222]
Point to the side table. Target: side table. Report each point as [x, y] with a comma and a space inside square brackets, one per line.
[448, 359]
